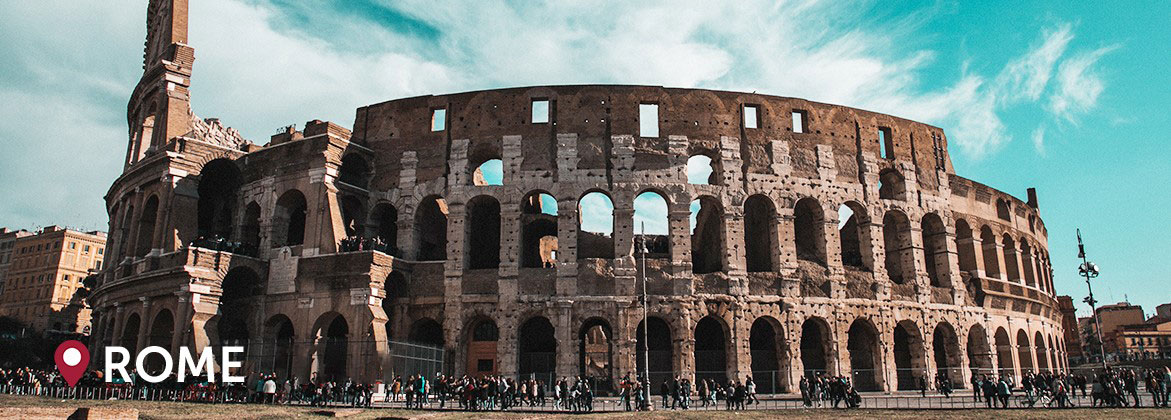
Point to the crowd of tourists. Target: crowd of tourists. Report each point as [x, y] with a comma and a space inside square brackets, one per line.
[1109, 388]
[821, 390]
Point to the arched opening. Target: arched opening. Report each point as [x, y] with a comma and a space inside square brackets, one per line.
[1027, 263]
[124, 233]
[146, 226]
[426, 331]
[854, 235]
[354, 171]
[537, 355]
[1003, 209]
[280, 336]
[395, 286]
[1024, 351]
[991, 258]
[482, 348]
[1041, 352]
[538, 238]
[707, 235]
[383, 227]
[491, 172]
[651, 222]
[1004, 353]
[289, 219]
[595, 212]
[891, 185]
[945, 347]
[809, 230]
[900, 256]
[701, 170]
[815, 346]
[431, 229]
[240, 287]
[711, 361]
[865, 357]
[333, 358]
[250, 229]
[660, 354]
[218, 183]
[769, 363]
[482, 243]
[909, 359]
[965, 246]
[935, 250]
[130, 329]
[1010, 261]
[979, 354]
[162, 330]
[760, 233]
[352, 215]
[595, 359]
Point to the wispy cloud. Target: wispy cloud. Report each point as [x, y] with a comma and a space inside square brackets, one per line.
[1078, 85]
[1039, 140]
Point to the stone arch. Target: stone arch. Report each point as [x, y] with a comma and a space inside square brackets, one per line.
[383, 226]
[1024, 351]
[430, 229]
[354, 171]
[147, 224]
[1026, 260]
[809, 230]
[910, 362]
[652, 222]
[989, 251]
[1041, 351]
[979, 353]
[660, 353]
[816, 348]
[239, 291]
[426, 331]
[595, 228]
[538, 237]
[864, 345]
[854, 236]
[352, 215]
[900, 252]
[760, 233]
[769, 355]
[965, 246]
[250, 228]
[280, 337]
[596, 353]
[289, 219]
[707, 235]
[330, 352]
[537, 349]
[935, 255]
[891, 185]
[1004, 353]
[482, 240]
[1010, 259]
[711, 349]
[130, 329]
[219, 183]
[949, 360]
[483, 338]
[162, 331]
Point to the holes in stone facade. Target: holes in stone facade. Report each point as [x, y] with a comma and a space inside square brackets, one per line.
[218, 183]
[289, 219]
[707, 236]
[935, 250]
[809, 230]
[595, 226]
[896, 237]
[538, 240]
[431, 229]
[652, 224]
[891, 185]
[482, 243]
[760, 233]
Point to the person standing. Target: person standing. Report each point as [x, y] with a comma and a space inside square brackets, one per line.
[976, 387]
[1003, 392]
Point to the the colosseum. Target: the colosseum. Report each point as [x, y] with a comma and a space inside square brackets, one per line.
[500, 226]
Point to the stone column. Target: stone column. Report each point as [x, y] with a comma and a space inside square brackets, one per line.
[143, 324]
[567, 226]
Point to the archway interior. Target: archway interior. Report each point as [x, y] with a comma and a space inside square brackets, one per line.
[763, 343]
[218, 182]
[651, 223]
[760, 233]
[482, 359]
[354, 171]
[700, 170]
[851, 232]
[130, 333]
[162, 330]
[1042, 353]
[538, 231]
[1004, 353]
[282, 338]
[336, 341]
[146, 227]
[979, 354]
[595, 226]
[862, 343]
[946, 351]
[595, 360]
[814, 346]
[660, 353]
[537, 353]
[427, 332]
[707, 236]
[711, 361]
[289, 219]
[1024, 352]
[240, 286]
[896, 237]
[383, 226]
[935, 250]
[809, 231]
[908, 352]
[431, 230]
[482, 243]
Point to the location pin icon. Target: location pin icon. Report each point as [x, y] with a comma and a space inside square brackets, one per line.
[72, 359]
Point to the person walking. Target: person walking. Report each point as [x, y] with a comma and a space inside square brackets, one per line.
[1003, 391]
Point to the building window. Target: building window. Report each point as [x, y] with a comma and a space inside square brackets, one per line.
[540, 111]
[85, 249]
[800, 120]
[438, 119]
[751, 116]
[648, 120]
[73, 245]
[886, 142]
[101, 251]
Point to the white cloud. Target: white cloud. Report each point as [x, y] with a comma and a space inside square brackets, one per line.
[1025, 77]
[1078, 86]
[1039, 140]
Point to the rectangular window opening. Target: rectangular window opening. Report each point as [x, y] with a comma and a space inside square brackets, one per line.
[799, 121]
[648, 120]
[886, 143]
[751, 116]
[438, 119]
[540, 111]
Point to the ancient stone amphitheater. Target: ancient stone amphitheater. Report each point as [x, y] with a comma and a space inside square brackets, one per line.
[784, 237]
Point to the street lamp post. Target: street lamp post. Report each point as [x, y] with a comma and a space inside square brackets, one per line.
[646, 325]
[1090, 270]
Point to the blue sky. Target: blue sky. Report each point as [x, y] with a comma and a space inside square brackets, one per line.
[1067, 97]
